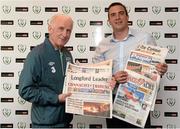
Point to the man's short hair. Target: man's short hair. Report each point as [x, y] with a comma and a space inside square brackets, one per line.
[120, 4]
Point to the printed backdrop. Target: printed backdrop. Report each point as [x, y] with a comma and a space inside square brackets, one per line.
[24, 25]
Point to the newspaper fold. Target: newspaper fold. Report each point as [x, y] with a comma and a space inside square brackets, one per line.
[136, 98]
[90, 88]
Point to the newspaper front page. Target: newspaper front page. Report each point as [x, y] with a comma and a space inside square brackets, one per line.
[90, 88]
[136, 98]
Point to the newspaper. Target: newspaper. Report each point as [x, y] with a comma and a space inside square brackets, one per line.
[90, 88]
[136, 98]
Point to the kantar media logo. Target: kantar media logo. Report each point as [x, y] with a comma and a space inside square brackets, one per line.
[171, 101]
[96, 9]
[171, 49]
[36, 9]
[81, 23]
[171, 23]
[6, 9]
[6, 112]
[66, 9]
[141, 23]
[21, 125]
[22, 22]
[6, 60]
[156, 9]
[156, 35]
[7, 86]
[156, 114]
[6, 35]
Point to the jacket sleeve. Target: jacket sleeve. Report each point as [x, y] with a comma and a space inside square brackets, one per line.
[29, 83]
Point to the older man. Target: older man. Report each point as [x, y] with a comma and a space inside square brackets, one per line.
[41, 80]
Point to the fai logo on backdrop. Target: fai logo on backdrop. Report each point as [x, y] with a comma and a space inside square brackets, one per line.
[21, 48]
[96, 9]
[156, 114]
[81, 125]
[171, 49]
[156, 35]
[21, 125]
[141, 23]
[36, 9]
[36, 35]
[170, 75]
[66, 9]
[6, 9]
[171, 23]
[128, 8]
[7, 86]
[171, 101]
[6, 60]
[156, 9]
[6, 112]
[81, 48]
[6, 35]
[21, 101]
[81, 23]
[22, 22]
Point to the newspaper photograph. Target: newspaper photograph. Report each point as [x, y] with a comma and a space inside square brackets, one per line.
[90, 88]
[133, 100]
[136, 98]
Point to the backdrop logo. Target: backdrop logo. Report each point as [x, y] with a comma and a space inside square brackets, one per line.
[66, 9]
[128, 8]
[7, 86]
[171, 126]
[21, 22]
[36, 35]
[19, 72]
[156, 9]
[81, 22]
[6, 60]
[81, 48]
[156, 114]
[171, 101]
[21, 125]
[21, 101]
[6, 112]
[96, 9]
[156, 35]
[6, 9]
[36, 9]
[108, 24]
[141, 23]
[6, 34]
[81, 125]
[171, 49]
[21, 48]
[171, 23]
[170, 75]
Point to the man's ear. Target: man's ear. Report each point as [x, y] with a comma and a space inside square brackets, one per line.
[50, 29]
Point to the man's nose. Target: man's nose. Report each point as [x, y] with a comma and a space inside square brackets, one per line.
[64, 33]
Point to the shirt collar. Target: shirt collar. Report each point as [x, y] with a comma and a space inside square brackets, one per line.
[130, 33]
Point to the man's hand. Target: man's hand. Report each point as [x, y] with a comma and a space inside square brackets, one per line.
[121, 77]
[161, 68]
[62, 97]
